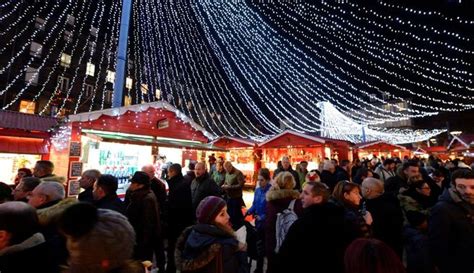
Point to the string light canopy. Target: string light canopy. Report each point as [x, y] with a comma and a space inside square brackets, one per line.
[252, 69]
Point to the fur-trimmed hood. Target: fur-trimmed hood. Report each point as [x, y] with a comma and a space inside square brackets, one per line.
[50, 214]
[54, 178]
[199, 245]
[274, 194]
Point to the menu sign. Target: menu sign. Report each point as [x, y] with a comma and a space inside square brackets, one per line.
[74, 188]
[75, 169]
[75, 149]
[162, 123]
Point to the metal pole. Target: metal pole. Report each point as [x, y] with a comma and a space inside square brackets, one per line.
[363, 134]
[122, 54]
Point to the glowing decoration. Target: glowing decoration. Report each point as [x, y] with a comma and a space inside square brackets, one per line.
[248, 69]
[61, 137]
[338, 126]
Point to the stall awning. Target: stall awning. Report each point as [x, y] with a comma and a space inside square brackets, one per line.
[148, 140]
[291, 138]
[232, 142]
[23, 145]
[158, 118]
[379, 145]
[462, 142]
[26, 122]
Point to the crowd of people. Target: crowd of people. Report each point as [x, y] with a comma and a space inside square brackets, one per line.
[378, 215]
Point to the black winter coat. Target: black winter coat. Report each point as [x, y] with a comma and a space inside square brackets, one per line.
[319, 229]
[111, 202]
[451, 234]
[159, 189]
[393, 184]
[202, 187]
[329, 179]
[417, 252]
[180, 206]
[388, 221]
[143, 214]
[86, 195]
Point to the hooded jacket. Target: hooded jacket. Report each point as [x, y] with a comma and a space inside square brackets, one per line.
[277, 201]
[207, 248]
[451, 233]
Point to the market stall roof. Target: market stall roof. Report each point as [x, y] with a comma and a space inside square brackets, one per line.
[137, 139]
[461, 142]
[23, 145]
[232, 142]
[153, 119]
[420, 150]
[15, 123]
[378, 145]
[435, 149]
[291, 138]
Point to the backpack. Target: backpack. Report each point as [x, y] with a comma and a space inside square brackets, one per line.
[283, 223]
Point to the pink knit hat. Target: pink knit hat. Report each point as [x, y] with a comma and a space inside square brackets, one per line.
[208, 209]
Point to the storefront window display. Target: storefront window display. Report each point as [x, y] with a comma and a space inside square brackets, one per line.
[312, 155]
[118, 159]
[167, 156]
[242, 159]
[10, 163]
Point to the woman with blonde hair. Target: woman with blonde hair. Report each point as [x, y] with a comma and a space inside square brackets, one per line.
[279, 197]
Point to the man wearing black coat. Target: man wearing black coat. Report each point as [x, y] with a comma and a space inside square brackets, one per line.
[451, 225]
[159, 189]
[393, 184]
[180, 210]
[86, 182]
[143, 214]
[321, 228]
[386, 213]
[105, 194]
[202, 186]
[286, 167]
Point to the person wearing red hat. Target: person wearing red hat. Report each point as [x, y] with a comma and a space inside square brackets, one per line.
[211, 245]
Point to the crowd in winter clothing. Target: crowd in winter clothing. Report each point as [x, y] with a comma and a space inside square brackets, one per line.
[378, 215]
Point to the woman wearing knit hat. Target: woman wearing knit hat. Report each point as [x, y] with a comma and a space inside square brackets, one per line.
[210, 246]
[98, 240]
